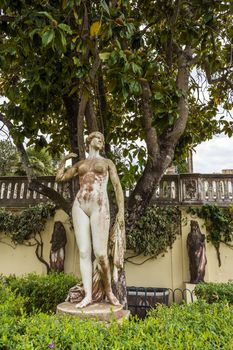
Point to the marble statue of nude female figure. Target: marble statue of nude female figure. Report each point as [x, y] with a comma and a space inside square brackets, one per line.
[90, 213]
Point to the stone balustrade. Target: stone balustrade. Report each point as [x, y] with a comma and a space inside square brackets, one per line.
[183, 189]
[14, 191]
[191, 189]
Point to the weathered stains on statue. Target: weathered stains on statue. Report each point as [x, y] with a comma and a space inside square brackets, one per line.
[100, 202]
[92, 199]
[103, 262]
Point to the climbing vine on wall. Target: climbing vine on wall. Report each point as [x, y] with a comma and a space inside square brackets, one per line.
[26, 227]
[219, 224]
[156, 231]
[26, 224]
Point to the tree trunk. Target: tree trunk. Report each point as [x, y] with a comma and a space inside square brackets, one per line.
[72, 105]
[140, 198]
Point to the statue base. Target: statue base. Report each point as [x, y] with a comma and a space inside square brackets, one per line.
[98, 311]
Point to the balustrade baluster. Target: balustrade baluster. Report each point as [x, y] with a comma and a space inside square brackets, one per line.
[3, 190]
[14, 191]
[230, 194]
[225, 187]
[9, 191]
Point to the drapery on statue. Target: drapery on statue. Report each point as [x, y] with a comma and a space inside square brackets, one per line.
[196, 253]
[91, 221]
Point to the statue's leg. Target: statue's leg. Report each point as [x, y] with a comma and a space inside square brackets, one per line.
[100, 232]
[82, 232]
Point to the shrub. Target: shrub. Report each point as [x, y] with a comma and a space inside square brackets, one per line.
[42, 292]
[195, 326]
[215, 292]
[11, 304]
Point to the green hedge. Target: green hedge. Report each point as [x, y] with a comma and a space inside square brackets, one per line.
[41, 292]
[180, 327]
[215, 292]
[195, 326]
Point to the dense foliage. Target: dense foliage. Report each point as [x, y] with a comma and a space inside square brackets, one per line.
[41, 293]
[10, 164]
[194, 326]
[215, 292]
[156, 231]
[179, 327]
[54, 50]
[134, 70]
[9, 158]
[219, 224]
[26, 224]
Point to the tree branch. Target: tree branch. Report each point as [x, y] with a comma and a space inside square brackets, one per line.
[147, 118]
[80, 122]
[5, 18]
[72, 105]
[223, 78]
[34, 184]
[39, 247]
[91, 121]
[176, 12]
[104, 114]
[182, 83]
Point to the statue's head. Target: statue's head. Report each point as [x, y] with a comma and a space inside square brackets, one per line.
[95, 135]
[194, 225]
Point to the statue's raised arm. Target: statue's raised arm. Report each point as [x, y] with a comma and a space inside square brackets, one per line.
[63, 175]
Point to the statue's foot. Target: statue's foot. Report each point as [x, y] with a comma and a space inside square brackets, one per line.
[112, 299]
[86, 301]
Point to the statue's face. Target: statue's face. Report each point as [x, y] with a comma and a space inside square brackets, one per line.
[97, 142]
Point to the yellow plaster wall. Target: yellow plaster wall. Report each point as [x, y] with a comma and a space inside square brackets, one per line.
[166, 271]
[170, 270]
[22, 259]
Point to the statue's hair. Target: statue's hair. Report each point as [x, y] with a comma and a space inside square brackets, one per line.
[91, 136]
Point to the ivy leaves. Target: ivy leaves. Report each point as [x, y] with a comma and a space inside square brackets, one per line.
[156, 231]
[23, 226]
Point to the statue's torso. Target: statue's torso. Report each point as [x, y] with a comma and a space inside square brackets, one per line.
[93, 175]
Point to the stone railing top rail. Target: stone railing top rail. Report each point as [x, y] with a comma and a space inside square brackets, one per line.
[183, 189]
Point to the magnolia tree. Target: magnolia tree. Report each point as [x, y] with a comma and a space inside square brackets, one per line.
[150, 75]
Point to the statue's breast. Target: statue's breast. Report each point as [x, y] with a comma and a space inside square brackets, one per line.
[100, 168]
[96, 167]
[83, 169]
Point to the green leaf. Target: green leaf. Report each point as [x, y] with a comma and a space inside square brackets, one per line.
[47, 37]
[136, 68]
[65, 28]
[104, 56]
[158, 96]
[46, 14]
[34, 31]
[105, 7]
[75, 89]
[63, 40]
[77, 62]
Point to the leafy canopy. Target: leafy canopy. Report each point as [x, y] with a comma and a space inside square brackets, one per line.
[55, 55]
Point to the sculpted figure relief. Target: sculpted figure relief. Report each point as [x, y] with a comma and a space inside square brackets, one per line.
[196, 253]
[91, 221]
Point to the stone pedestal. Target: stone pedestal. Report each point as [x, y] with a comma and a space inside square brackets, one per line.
[99, 311]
